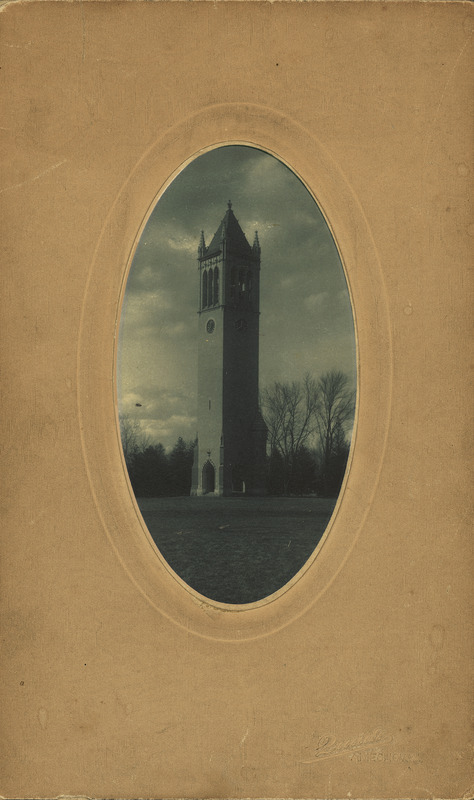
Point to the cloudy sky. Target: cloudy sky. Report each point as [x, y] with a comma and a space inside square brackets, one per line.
[306, 320]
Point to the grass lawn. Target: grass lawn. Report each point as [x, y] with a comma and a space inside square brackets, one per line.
[236, 549]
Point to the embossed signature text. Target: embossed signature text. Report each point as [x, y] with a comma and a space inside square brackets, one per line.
[331, 746]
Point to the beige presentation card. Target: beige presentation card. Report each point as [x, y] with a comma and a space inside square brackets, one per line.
[119, 681]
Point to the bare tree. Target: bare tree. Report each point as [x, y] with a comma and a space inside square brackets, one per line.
[335, 409]
[134, 440]
[289, 410]
[303, 415]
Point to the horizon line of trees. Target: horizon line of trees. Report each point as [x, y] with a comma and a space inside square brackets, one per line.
[152, 471]
[307, 446]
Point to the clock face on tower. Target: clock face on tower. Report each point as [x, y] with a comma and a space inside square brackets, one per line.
[241, 325]
[210, 326]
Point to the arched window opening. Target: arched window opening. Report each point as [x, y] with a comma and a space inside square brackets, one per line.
[204, 289]
[216, 286]
[238, 479]
[249, 281]
[242, 286]
[208, 478]
[210, 289]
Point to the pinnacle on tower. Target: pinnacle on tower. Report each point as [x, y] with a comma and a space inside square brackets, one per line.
[256, 244]
[202, 245]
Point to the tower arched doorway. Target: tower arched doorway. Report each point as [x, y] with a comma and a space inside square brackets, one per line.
[208, 478]
[238, 479]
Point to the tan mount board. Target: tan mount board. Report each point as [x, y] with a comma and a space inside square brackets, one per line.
[118, 682]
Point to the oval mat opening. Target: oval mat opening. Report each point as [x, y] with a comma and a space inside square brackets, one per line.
[237, 374]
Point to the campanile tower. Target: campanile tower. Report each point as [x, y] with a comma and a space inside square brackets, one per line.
[229, 457]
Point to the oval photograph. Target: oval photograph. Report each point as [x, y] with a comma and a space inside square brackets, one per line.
[236, 374]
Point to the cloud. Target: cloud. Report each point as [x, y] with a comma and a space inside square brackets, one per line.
[315, 302]
[185, 244]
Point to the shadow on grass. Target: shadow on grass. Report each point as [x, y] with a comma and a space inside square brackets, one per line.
[236, 549]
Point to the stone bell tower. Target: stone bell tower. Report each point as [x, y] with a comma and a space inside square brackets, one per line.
[229, 457]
